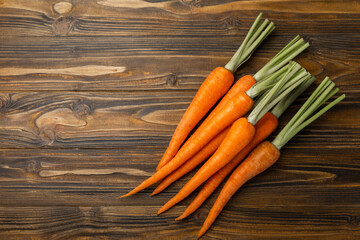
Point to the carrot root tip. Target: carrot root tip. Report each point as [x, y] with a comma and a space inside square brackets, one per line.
[126, 195]
[161, 211]
[201, 233]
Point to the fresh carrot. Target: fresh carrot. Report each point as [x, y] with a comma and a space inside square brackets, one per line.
[190, 164]
[239, 135]
[239, 105]
[267, 153]
[202, 155]
[263, 128]
[264, 123]
[291, 50]
[215, 86]
[262, 156]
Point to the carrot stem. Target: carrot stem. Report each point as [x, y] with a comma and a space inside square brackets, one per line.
[300, 79]
[250, 49]
[314, 117]
[253, 39]
[333, 92]
[257, 112]
[267, 83]
[280, 108]
[291, 50]
[302, 118]
[303, 108]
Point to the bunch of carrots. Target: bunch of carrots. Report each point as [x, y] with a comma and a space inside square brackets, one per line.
[231, 139]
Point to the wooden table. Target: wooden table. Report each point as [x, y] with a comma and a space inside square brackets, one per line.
[91, 92]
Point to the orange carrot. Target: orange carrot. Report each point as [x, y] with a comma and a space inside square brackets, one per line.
[266, 153]
[214, 87]
[242, 85]
[235, 108]
[240, 104]
[228, 150]
[239, 135]
[263, 128]
[270, 70]
[261, 158]
[193, 162]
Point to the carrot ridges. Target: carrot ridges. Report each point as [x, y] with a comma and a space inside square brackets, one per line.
[212, 89]
[263, 128]
[261, 158]
[239, 135]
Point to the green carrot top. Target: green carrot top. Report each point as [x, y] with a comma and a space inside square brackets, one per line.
[303, 117]
[291, 50]
[257, 33]
[294, 77]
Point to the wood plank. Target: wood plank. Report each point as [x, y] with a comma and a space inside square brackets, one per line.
[144, 119]
[126, 222]
[233, 24]
[43, 206]
[317, 196]
[81, 46]
[176, 8]
[67, 177]
[162, 73]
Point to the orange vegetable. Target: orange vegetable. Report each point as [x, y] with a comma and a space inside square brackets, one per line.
[261, 158]
[266, 153]
[215, 86]
[235, 108]
[235, 140]
[263, 128]
[193, 162]
[270, 70]
[212, 89]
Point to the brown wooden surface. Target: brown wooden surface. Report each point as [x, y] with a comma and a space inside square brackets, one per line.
[91, 92]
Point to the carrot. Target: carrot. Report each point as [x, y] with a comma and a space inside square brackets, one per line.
[239, 105]
[200, 157]
[267, 73]
[264, 127]
[215, 86]
[210, 148]
[267, 153]
[262, 157]
[194, 161]
[239, 135]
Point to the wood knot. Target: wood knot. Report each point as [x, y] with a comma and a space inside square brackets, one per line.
[62, 7]
[63, 25]
[172, 80]
[230, 23]
[32, 166]
[5, 100]
[354, 220]
[192, 3]
[200, 215]
[95, 212]
[81, 110]
[47, 135]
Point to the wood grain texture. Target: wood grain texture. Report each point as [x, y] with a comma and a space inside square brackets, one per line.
[91, 92]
